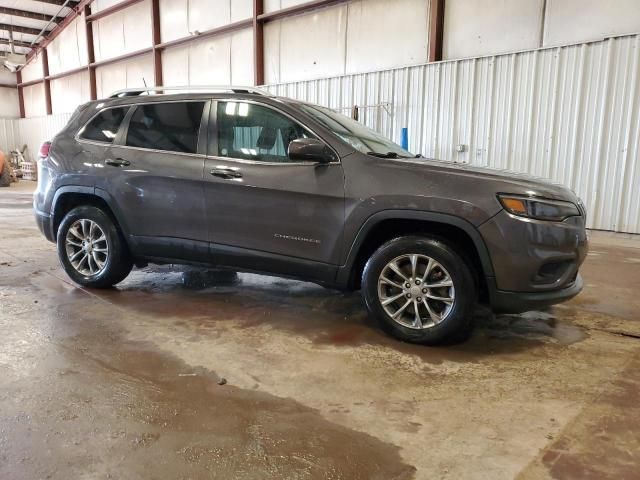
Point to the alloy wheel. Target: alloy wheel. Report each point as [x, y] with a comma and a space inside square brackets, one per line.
[86, 247]
[416, 291]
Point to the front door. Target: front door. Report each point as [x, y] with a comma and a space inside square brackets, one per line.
[259, 200]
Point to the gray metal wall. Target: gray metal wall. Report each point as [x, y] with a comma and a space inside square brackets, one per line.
[570, 114]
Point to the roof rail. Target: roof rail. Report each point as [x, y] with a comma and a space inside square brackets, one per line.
[159, 90]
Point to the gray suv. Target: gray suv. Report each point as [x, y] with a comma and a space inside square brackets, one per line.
[237, 178]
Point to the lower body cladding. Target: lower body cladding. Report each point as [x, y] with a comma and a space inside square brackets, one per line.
[535, 262]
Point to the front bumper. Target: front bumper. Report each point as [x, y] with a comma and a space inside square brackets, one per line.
[518, 302]
[535, 263]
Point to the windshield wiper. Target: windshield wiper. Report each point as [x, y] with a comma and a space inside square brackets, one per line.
[386, 155]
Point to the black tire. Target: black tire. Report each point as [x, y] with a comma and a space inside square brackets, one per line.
[456, 323]
[5, 176]
[118, 262]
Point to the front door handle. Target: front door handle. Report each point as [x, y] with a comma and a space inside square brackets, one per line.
[117, 162]
[226, 173]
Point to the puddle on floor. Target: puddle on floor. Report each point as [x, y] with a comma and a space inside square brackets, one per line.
[204, 300]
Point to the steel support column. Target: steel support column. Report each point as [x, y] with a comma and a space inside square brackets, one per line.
[157, 40]
[47, 82]
[20, 93]
[91, 57]
[258, 43]
[436, 29]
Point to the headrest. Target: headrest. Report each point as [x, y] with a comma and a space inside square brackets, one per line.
[267, 138]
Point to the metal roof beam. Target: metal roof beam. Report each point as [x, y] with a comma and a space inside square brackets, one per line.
[71, 4]
[17, 29]
[43, 17]
[6, 41]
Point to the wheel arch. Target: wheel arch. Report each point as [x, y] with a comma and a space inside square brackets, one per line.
[386, 225]
[69, 197]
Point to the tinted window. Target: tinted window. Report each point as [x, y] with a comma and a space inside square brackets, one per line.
[254, 132]
[166, 126]
[104, 127]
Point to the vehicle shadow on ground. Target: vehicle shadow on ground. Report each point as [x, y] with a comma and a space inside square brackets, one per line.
[201, 299]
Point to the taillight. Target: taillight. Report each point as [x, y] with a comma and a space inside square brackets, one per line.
[44, 150]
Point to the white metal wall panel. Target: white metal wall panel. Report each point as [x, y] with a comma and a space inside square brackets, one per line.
[32, 132]
[274, 5]
[571, 21]
[70, 91]
[69, 49]
[306, 46]
[123, 32]
[482, 27]
[126, 74]
[180, 18]
[174, 19]
[7, 77]
[9, 106]
[34, 104]
[211, 61]
[33, 70]
[341, 39]
[402, 40]
[8, 134]
[570, 114]
[98, 5]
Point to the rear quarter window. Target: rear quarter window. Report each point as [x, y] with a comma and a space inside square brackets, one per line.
[104, 126]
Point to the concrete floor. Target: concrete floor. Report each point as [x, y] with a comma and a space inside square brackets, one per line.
[125, 383]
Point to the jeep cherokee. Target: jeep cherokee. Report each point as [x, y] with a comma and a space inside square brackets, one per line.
[238, 178]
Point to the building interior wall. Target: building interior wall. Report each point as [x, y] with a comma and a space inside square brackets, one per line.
[9, 107]
[487, 27]
[498, 104]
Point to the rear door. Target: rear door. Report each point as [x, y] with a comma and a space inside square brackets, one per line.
[257, 199]
[154, 172]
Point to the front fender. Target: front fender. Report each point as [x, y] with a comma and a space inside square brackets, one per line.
[400, 214]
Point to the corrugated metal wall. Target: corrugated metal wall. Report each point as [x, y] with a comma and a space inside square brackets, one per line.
[32, 132]
[8, 134]
[570, 114]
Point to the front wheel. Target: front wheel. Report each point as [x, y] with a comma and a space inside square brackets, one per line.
[91, 249]
[420, 290]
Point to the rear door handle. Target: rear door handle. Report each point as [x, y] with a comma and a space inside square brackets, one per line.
[226, 173]
[117, 162]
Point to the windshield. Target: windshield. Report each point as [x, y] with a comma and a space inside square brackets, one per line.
[355, 134]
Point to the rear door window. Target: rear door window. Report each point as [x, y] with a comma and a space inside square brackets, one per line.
[104, 126]
[171, 127]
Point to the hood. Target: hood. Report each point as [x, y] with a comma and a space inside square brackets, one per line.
[504, 181]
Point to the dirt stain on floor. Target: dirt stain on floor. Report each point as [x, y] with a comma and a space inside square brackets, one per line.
[136, 412]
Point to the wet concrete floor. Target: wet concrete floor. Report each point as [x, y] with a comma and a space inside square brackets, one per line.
[187, 373]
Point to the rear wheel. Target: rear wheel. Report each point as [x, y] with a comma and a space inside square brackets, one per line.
[420, 290]
[91, 249]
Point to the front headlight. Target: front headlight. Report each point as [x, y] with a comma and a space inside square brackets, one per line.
[538, 208]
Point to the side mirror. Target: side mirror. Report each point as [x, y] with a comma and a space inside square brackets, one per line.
[309, 149]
